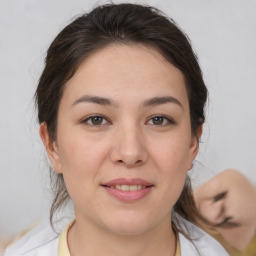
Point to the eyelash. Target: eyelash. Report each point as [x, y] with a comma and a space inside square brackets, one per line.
[165, 120]
[89, 118]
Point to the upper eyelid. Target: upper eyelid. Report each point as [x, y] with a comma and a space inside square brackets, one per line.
[168, 118]
[171, 120]
[95, 115]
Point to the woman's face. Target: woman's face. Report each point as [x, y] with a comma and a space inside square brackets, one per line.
[124, 142]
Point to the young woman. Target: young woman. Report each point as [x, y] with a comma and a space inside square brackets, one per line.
[121, 107]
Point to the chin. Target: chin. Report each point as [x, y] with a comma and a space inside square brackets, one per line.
[128, 224]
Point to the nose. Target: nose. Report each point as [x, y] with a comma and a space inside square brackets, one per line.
[129, 147]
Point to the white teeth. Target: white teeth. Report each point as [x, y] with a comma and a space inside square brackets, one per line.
[125, 188]
[118, 187]
[133, 188]
[128, 188]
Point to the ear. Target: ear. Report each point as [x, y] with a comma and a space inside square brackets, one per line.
[50, 147]
[194, 146]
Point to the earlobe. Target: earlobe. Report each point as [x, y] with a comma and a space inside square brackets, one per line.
[194, 146]
[195, 140]
[50, 147]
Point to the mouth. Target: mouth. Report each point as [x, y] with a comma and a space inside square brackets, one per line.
[128, 190]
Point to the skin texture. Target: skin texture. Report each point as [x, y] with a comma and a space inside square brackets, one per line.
[238, 206]
[128, 143]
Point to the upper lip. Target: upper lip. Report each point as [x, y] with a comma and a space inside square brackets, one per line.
[127, 181]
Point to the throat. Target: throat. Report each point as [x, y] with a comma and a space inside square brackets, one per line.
[106, 243]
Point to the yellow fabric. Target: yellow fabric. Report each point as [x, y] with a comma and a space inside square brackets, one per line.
[249, 251]
[63, 243]
[178, 247]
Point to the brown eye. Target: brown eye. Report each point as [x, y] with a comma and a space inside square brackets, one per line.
[96, 120]
[158, 120]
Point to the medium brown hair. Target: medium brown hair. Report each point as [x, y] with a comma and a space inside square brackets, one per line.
[118, 24]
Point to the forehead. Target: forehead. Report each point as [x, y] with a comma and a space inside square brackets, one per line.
[126, 70]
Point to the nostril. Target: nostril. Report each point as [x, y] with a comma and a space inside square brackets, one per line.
[130, 163]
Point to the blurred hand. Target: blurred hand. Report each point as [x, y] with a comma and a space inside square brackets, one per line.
[228, 202]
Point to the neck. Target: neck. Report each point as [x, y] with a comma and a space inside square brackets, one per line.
[85, 238]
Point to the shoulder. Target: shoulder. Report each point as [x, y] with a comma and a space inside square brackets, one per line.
[201, 243]
[41, 240]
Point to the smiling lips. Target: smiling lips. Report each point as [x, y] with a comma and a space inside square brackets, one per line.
[128, 190]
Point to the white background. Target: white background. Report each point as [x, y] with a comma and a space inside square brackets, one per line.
[223, 34]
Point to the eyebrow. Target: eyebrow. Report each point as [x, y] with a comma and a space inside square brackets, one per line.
[161, 100]
[108, 102]
[94, 99]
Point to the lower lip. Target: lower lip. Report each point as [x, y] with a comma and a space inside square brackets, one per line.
[128, 196]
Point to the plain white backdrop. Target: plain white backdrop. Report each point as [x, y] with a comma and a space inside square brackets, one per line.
[223, 34]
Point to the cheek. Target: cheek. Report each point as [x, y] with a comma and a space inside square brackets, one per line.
[172, 160]
[81, 153]
[81, 159]
[172, 155]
